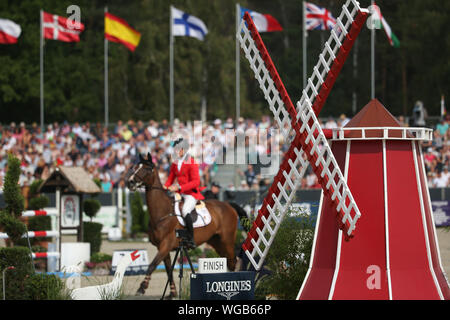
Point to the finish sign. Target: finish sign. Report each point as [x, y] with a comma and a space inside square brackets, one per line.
[212, 265]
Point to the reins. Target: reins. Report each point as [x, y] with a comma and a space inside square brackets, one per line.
[152, 187]
[170, 198]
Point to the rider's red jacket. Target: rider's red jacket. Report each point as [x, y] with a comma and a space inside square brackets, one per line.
[188, 178]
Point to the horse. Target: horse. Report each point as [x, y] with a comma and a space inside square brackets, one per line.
[220, 233]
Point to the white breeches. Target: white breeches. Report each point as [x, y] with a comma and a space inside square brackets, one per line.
[189, 204]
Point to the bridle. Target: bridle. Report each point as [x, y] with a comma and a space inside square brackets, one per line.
[137, 173]
[139, 184]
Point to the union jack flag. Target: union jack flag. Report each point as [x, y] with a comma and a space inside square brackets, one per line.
[318, 18]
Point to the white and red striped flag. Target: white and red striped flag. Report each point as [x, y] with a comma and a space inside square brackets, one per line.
[263, 22]
[60, 28]
[9, 31]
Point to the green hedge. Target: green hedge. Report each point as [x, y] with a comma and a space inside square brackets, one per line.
[92, 233]
[22, 283]
[20, 259]
[100, 257]
[45, 287]
[38, 203]
[39, 223]
[288, 258]
[91, 207]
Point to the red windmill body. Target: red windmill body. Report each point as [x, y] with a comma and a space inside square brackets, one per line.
[395, 254]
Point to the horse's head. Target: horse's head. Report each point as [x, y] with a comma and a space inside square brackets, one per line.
[141, 174]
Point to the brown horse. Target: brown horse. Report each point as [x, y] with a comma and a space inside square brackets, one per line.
[220, 233]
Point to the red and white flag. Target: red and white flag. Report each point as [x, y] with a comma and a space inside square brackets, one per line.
[9, 31]
[60, 28]
[263, 22]
[318, 18]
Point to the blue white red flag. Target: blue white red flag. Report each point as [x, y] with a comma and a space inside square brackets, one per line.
[263, 22]
[318, 18]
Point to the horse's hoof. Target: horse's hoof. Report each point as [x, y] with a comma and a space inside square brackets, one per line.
[140, 292]
[171, 296]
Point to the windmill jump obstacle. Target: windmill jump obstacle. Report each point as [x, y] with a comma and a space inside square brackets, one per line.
[395, 254]
[396, 237]
[310, 141]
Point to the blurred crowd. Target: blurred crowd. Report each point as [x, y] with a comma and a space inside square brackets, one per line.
[106, 154]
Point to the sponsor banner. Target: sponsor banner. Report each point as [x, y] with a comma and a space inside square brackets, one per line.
[441, 210]
[138, 266]
[441, 213]
[223, 286]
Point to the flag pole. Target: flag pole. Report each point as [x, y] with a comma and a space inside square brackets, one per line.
[41, 67]
[304, 45]
[355, 77]
[106, 79]
[238, 66]
[372, 51]
[171, 40]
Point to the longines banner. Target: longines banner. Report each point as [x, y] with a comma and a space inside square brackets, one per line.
[223, 286]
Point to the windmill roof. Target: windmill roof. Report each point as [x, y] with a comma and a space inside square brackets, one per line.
[374, 114]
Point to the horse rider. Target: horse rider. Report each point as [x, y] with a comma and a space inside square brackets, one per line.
[186, 171]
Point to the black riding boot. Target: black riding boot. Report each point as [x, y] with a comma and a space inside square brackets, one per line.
[190, 229]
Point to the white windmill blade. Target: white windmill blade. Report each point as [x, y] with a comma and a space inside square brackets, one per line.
[309, 141]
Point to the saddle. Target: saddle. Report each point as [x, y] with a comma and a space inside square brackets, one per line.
[200, 216]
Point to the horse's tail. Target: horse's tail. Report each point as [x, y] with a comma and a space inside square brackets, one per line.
[242, 216]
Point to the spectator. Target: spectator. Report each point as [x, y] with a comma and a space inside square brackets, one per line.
[440, 180]
[110, 153]
[419, 114]
[343, 120]
[250, 175]
[445, 175]
[401, 120]
[213, 193]
[106, 184]
[442, 127]
[331, 124]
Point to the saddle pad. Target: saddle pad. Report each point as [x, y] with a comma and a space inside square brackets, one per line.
[203, 219]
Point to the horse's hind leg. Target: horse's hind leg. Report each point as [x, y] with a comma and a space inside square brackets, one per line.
[168, 265]
[224, 250]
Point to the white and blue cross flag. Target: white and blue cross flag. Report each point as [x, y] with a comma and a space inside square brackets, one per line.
[184, 24]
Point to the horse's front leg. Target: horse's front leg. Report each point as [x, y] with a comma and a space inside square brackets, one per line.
[163, 251]
[173, 288]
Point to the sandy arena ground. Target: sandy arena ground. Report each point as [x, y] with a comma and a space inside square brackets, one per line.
[159, 278]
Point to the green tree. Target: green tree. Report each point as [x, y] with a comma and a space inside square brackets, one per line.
[9, 217]
[139, 216]
[92, 231]
[139, 80]
[288, 258]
